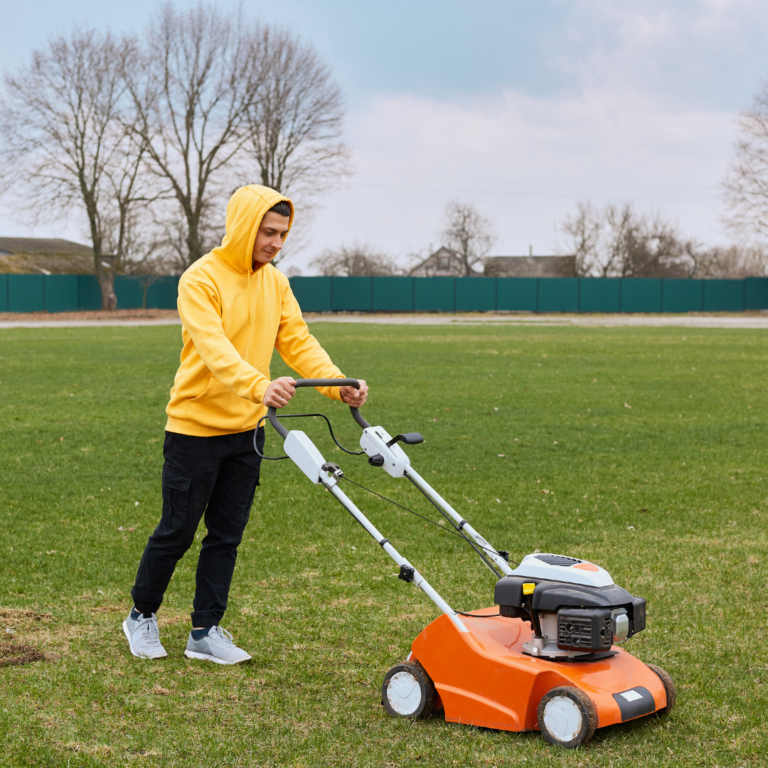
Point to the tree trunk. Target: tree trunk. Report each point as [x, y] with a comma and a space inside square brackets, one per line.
[107, 285]
[193, 238]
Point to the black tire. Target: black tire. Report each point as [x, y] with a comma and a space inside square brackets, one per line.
[567, 717]
[408, 691]
[669, 687]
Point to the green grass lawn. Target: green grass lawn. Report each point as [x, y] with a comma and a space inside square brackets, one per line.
[651, 443]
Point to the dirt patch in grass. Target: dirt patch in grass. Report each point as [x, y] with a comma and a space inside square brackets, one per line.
[17, 654]
[29, 630]
[21, 614]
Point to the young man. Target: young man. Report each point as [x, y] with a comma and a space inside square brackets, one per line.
[235, 308]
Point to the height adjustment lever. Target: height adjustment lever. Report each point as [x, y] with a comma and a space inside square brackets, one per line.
[334, 469]
[407, 573]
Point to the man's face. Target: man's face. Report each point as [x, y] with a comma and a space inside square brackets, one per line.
[269, 238]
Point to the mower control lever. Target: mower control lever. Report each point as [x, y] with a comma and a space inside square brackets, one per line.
[409, 438]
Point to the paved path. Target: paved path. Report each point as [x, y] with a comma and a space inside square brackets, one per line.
[84, 323]
[685, 321]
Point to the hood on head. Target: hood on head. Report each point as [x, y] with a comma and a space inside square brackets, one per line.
[245, 210]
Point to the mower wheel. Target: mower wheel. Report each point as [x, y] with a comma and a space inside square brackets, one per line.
[408, 691]
[669, 687]
[567, 717]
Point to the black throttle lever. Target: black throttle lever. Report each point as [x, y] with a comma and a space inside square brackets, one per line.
[409, 438]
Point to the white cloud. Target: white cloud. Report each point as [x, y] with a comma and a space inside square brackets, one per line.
[690, 51]
[525, 160]
[648, 117]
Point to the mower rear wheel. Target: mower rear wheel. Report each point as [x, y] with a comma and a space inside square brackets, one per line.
[408, 691]
[567, 717]
[669, 687]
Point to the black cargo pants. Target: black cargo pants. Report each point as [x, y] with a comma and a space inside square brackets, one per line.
[211, 476]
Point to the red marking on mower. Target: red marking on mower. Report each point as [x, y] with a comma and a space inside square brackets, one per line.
[586, 567]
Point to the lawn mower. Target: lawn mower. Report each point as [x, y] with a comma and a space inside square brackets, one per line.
[549, 658]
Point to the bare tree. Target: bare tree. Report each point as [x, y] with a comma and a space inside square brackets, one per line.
[68, 141]
[584, 234]
[468, 234]
[746, 181]
[193, 94]
[151, 253]
[734, 261]
[355, 261]
[619, 241]
[295, 120]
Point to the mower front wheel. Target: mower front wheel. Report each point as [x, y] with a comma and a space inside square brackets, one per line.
[669, 687]
[567, 717]
[408, 691]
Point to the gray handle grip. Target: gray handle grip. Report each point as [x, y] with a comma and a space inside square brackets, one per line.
[359, 418]
[327, 383]
[272, 411]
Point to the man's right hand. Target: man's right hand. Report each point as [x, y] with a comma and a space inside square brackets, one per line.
[280, 391]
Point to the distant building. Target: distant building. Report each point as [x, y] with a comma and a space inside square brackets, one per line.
[444, 262]
[30, 255]
[529, 266]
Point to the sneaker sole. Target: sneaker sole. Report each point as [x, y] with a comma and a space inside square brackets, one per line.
[208, 657]
[140, 655]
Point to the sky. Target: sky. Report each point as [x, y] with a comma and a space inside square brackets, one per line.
[521, 108]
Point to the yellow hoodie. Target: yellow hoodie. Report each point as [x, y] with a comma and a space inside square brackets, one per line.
[233, 316]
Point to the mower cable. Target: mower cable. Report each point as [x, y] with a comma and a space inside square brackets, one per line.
[300, 416]
[429, 520]
[460, 528]
[479, 615]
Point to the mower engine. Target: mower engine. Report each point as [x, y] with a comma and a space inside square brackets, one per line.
[573, 606]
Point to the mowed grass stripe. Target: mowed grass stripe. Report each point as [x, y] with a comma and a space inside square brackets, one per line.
[650, 443]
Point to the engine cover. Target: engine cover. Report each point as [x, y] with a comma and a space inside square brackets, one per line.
[563, 568]
[571, 608]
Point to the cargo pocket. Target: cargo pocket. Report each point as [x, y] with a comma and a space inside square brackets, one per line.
[175, 497]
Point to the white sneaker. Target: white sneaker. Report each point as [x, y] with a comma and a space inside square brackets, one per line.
[143, 637]
[216, 646]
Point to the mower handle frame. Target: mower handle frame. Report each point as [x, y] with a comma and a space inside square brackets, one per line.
[356, 415]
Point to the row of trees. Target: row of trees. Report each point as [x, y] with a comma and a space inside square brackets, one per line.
[147, 137]
[466, 237]
[618, 240]
[608, 241]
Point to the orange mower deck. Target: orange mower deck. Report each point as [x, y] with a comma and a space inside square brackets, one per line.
[484, 679]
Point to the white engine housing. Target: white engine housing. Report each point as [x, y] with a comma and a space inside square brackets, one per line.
[578, 572]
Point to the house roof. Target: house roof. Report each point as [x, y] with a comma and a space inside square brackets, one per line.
[35, 245]
[32, 255]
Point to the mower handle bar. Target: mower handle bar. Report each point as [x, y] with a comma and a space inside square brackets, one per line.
[356, 415]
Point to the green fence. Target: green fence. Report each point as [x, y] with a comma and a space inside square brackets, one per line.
[70, 293]
[528, 294]
[65, 293]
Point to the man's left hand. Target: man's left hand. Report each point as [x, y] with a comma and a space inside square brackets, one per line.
[354, 397]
